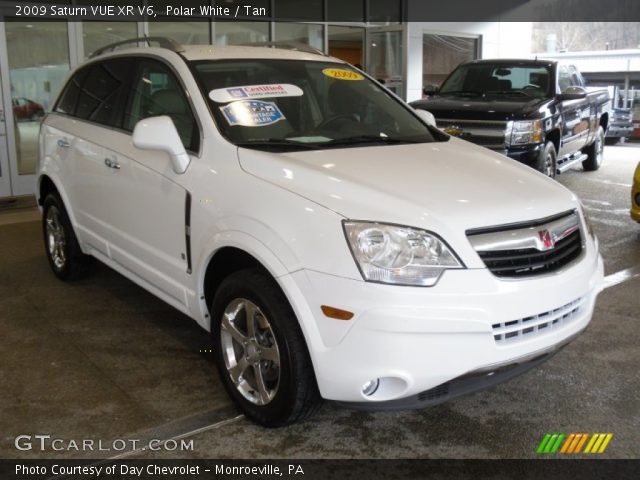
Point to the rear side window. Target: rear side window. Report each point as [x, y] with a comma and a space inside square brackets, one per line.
[157, 91]
[69, 97]
[103, 92]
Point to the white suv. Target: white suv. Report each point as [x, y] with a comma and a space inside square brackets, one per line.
[335, 243]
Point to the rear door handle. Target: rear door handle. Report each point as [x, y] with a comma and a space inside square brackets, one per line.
[63, 143]
[112, 163]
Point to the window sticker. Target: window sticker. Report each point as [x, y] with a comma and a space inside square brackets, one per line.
[252, 113]
[248, 92]
[342, 74]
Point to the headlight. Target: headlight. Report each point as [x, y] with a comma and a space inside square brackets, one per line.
[526, 132]
[399, 255]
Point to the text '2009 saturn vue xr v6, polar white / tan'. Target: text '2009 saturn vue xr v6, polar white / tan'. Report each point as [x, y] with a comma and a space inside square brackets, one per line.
[336, 244]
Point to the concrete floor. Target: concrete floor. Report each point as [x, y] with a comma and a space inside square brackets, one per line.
[103, 359]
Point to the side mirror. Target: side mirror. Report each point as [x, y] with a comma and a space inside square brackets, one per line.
[426, 117]
[573, 93]
[159, 133]
[430, 90]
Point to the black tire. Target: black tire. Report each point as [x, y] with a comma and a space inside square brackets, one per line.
[594, 152]
[611, 140]
[60, 243]
[546, 161]
[295, 393]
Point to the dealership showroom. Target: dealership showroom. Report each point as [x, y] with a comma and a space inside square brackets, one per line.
[320, 229]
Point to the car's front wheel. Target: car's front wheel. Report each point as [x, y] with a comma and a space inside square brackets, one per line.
[546, 161]
[261, 353]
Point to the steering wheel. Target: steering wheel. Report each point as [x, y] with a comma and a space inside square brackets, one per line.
[346, 116]
[531, 86]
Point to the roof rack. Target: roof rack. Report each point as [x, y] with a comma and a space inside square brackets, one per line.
[296, 46]
[163, 42]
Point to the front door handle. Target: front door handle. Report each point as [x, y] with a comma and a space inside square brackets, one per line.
[63, 143]
[112, 163]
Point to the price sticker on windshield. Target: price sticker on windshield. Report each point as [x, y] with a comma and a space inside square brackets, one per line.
[342, 74]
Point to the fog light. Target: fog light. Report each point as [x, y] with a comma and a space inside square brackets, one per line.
[370, 387]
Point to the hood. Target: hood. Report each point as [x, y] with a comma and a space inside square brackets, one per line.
[488, 107]
[448, 186]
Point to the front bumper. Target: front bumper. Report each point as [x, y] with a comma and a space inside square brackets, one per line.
[415, 339]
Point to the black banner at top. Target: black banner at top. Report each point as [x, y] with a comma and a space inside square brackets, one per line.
[356, 11]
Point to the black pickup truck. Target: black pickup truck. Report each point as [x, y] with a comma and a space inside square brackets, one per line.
[538, 112]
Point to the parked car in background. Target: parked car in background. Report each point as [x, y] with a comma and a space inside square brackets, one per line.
[538, 112]
[336, 244]
[620, 125]
[25, 109]
[635, 195]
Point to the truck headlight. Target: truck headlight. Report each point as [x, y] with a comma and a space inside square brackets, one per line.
[399, 255]
[526, 132]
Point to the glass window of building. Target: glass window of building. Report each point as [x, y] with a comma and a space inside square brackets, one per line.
[36, 76]
[186, 33]
[308, 33]
[99, 34]
[442, 54]
[347, 43]
[240, 33]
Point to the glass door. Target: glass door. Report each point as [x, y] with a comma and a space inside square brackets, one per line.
[5, 181]
[385, 57]
[31, 78]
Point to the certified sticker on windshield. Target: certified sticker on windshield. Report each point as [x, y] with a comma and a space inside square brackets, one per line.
[247, 92]
[342, 74]
[252, 113]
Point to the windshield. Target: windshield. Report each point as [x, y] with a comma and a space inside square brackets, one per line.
[282, 104]
[500, 79]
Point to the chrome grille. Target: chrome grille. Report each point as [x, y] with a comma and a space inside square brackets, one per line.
[531, 248]
[542, 323]
[487, 133]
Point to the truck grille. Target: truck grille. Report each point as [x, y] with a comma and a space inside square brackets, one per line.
[542, 323]
[531, 248]
[487, 133]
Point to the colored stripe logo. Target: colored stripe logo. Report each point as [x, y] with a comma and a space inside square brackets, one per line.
[574, 443]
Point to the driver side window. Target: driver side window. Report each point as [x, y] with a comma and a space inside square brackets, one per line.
[564, 78]
[156, 91]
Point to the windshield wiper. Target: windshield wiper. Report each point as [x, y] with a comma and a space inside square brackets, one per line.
[277, 143]
[360, 139]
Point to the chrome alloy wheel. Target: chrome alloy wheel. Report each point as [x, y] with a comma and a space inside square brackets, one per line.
[56, 238]
[250, 351]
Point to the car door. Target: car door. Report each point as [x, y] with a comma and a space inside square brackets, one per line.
[91, 105]
[147, 204]
[574, 128]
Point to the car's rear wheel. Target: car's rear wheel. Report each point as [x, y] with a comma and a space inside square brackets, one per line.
[595, 152]
[61, 245]
[261, 353]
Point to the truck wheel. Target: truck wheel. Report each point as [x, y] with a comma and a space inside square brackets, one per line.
[546, 162]
[261, 353]
[595, 152]
[61, 245]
